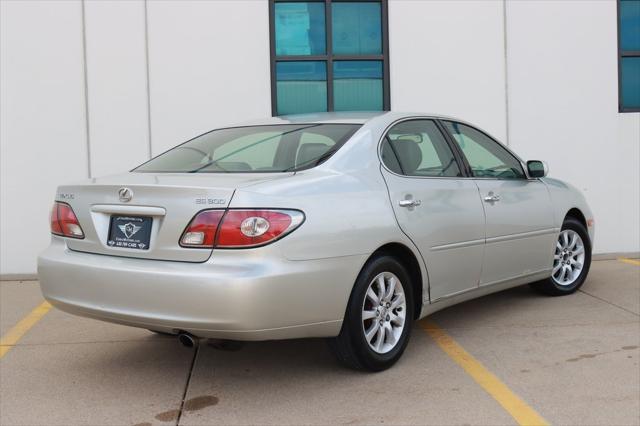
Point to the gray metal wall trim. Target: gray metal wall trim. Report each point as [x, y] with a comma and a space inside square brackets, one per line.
[86, 88]
[506, 73]
[146, 59]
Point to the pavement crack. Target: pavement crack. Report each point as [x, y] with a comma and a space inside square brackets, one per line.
[609, 303]
[186, 387]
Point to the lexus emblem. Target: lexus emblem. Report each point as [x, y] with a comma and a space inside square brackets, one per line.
[125, 194]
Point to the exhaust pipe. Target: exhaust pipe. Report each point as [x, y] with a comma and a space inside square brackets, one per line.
[188, 340]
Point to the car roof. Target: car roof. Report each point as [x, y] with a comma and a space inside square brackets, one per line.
[336, 118]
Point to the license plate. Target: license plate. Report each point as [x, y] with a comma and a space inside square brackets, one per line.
[131, 232]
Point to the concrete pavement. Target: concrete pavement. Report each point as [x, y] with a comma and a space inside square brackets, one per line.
[574, 359]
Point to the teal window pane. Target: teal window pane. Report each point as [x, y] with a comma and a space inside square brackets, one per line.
[630, 25]
[357, 85]
[300, 28]
[631, 82]
[357, 28]
[301, 87]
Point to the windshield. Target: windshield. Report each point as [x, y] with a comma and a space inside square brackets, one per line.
[254, 149]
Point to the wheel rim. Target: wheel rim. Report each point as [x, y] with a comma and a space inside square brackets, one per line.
[568, 259]
[383, 312]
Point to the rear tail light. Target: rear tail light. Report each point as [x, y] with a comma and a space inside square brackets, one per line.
[250, 228]
[239, 228]
[64, 221]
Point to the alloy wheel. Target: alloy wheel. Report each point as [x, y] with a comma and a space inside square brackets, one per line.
[383, 312]
[568, 259]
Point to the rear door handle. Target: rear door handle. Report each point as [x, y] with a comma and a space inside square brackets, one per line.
[492, 198]
[409, 203]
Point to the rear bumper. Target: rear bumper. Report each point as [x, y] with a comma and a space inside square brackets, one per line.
[243, 295]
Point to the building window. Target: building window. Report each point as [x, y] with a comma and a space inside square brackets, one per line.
[329, 56]
[629, 55]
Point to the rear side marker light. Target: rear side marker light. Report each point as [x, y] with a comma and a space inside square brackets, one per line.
[239, 228]
[64, 221]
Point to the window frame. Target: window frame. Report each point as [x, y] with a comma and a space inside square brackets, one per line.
[329, 57]
[623, 54]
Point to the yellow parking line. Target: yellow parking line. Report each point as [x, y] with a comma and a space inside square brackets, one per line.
[630, 261]
[11, 338]
[516, 407]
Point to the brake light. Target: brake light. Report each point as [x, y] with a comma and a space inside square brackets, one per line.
[64, 221]
[239, 228]
[249, 228]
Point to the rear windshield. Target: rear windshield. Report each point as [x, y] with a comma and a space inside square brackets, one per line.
[254, 149]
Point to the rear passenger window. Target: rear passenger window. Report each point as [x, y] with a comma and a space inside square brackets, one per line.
[418, 148]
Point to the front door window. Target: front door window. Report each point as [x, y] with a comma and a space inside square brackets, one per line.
[487, 158]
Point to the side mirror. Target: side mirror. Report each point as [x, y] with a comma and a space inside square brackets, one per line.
[537, 169]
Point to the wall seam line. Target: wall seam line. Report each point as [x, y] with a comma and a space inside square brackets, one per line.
[506, 73]
[86, 88]
[146, 55]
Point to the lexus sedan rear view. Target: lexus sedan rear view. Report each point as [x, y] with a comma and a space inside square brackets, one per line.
[348, 226]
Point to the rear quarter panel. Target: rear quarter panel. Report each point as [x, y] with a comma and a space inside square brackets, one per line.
[346, 206]
[345, 202]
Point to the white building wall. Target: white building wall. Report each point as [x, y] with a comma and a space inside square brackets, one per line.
[42, 121]
[117, 85]
[447, 57]
[208, 65]
[563, 102]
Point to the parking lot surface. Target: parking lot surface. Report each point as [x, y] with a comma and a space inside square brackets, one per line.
[572, 360]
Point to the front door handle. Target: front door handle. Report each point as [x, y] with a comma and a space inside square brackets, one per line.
[492, 198]
[409, 203]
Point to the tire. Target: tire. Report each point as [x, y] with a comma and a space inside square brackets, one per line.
[351, 347]
[561, 283]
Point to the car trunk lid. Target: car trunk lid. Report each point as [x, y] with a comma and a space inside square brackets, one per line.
[149, 225]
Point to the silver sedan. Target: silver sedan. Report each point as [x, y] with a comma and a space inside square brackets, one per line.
[346, 226]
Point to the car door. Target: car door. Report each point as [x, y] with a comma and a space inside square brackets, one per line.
[438, 209]
[520, 232]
